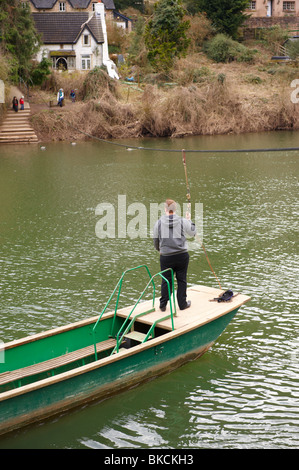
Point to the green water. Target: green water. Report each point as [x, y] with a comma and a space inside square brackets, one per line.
[244, 393]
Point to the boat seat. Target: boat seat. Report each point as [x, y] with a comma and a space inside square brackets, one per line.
[59, 361]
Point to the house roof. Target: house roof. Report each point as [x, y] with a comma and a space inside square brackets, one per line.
[43, 4]
[49, 4]
[109, 4]
[65, 28]
[79, 3]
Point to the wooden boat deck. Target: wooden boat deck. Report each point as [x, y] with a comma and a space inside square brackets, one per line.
[63, 360]
[202, 309]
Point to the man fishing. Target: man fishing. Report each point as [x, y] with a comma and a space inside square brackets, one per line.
[170, 240]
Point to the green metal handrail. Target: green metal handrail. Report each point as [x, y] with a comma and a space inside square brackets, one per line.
[120, 335]
[118, 285]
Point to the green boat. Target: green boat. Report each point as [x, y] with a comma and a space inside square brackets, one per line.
[50, 372]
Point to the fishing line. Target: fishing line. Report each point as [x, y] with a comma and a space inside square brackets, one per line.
[132, 147]
[189, 207]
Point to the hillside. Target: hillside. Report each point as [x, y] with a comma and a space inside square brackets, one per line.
[206, 98]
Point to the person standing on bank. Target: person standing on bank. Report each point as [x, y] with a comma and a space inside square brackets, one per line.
[60, 97]
[22, 103]
[170, 240]
[15, 104]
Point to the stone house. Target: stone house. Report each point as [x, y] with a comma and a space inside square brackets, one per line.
[74, 41]
[76, 6]
[269, 13]
[273, 8]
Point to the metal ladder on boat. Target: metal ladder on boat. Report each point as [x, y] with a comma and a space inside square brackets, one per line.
[126, 331]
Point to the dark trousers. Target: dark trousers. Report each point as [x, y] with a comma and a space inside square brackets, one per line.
[179, 264]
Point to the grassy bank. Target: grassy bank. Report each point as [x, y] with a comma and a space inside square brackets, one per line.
[200, 98]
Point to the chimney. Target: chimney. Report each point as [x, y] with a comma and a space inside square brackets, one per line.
[99, 10]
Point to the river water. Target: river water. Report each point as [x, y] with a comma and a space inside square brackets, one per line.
[56, 269]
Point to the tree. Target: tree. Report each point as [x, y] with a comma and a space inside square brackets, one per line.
[18, 36]
[137, 50]
[165, 34]
[226, 15]
[39, 72]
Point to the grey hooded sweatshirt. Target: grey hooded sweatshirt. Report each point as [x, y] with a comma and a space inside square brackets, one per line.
[170, 234]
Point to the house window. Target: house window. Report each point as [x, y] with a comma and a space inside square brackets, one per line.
[61, 6]
[63, 62]
[86, 39]
[252, 5]
[71, 62]
[85, 62]
[288, 6]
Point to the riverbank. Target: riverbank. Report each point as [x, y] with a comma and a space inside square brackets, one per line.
[206, 99]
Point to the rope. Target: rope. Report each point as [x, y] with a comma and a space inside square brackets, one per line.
[281, 149]
[257, 150]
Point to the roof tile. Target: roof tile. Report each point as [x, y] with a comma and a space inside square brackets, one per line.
[64, 28]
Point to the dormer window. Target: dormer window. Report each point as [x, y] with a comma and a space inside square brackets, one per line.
[86, 39]
[61, 6]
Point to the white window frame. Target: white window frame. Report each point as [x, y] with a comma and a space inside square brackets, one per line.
[62, 6]
[71, 63]
[85, 62]
[84, 36]
[252, 5]
[288, 6]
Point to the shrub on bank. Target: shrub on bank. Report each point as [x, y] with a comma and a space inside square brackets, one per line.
[224, 49]
[97, 81]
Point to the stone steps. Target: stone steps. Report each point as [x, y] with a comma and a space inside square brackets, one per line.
[16, 128]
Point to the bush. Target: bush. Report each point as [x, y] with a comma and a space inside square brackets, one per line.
[201, 29]
[250, 78]
[201, 75]
[97, 81]
[40, 72]
[292, 48]
[224, 49]
[273, 37]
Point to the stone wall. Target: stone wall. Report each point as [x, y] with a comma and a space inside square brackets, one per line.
[254, 24]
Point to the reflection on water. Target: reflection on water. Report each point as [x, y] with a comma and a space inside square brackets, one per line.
[54, 270]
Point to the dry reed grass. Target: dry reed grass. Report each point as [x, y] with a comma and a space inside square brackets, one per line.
[213, 107]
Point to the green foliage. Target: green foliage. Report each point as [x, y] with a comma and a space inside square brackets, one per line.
[137, 45]
[165, 34]
[224, 49]
[4, 68]
[40, 72]
[226, 15]
[202, 74]
[221, 77]
[273, 37]
[292, 48]
[18, 36]
[255, 79]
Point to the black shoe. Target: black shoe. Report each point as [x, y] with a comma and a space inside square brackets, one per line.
[163, 309]
[188, 304]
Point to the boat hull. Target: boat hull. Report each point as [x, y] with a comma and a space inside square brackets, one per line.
[108, 376]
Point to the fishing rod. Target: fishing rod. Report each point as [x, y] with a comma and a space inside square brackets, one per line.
[188, 195]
